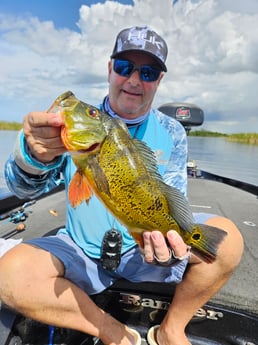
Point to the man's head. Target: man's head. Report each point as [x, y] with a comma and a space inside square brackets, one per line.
[136, 68]
[141, 39]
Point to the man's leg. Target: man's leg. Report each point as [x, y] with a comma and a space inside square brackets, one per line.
[31, 281]
[200, 283]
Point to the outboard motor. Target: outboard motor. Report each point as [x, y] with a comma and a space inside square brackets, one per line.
[188, 114]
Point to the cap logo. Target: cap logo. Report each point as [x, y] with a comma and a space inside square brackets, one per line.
[141, 37]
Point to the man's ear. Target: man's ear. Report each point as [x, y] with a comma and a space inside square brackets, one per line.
[162, 74]
[109, 69]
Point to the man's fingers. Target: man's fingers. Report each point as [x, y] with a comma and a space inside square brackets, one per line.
[148, 250]
[160, 247]
[43, 119]
[156, 246]
[177, 244]
[43, 135]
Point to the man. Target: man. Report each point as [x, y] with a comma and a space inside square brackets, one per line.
[54, 276]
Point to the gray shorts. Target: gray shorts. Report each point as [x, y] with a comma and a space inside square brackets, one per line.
[88, 274]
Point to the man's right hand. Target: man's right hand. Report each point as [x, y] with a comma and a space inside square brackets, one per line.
[42, 132]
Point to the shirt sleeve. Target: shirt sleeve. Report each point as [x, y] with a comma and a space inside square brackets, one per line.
[176, 171]
[28, 178]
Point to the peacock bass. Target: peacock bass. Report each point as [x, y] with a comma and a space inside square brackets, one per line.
[123, 174]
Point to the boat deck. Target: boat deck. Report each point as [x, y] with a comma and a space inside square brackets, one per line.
[231, 317]
[214, 197]
[241, 291]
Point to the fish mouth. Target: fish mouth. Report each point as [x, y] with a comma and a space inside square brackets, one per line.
[92, 148]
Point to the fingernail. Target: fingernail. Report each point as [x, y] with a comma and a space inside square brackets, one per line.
[146, 235]
[156, 235]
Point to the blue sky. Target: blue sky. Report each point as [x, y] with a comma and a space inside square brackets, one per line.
[64, 13]
[50, 46]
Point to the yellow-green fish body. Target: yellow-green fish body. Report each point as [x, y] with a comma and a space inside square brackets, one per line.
[122, 172]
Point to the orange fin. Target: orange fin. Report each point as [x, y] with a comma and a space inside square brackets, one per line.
[79, 189]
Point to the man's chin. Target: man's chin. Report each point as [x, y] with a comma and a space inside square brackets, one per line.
[130, 113]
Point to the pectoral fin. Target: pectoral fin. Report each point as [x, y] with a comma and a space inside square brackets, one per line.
[79, 189]
[99, 177]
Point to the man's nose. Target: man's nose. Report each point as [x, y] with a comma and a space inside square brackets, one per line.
[135, 78]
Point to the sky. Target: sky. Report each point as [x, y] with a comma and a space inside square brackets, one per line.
[51, 46]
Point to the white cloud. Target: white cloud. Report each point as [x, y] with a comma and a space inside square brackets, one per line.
[213, 57]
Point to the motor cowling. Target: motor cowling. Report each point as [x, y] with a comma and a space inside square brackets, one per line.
[188, 114]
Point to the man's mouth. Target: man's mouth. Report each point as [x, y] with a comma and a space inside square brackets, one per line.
[132, 93]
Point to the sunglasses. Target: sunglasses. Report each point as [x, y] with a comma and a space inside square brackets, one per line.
[126, 68]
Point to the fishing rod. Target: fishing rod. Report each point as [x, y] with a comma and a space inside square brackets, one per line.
[16, 217]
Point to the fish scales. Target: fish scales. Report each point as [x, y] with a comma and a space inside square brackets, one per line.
[128, 179]
[123, 174]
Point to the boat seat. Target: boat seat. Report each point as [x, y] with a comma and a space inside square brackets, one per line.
[161, 289]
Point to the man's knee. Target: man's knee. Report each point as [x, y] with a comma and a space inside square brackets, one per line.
[231, 249]
[11, 266]
[19, 271]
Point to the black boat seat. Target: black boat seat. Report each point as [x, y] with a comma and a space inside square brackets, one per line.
[161, 289]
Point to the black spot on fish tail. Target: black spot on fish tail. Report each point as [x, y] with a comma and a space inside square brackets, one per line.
[196, 237]
[205, 241]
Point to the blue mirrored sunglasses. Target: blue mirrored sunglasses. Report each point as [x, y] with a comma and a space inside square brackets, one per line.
[146, 72]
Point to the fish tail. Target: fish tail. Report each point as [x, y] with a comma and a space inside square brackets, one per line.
[205, 240]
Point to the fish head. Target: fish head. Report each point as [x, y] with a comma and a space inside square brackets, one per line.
[83, 131]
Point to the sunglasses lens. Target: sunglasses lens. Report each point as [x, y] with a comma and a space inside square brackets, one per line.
[149, 73]
[125, 68]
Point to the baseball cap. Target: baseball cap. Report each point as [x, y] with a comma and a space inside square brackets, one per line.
[144, 39]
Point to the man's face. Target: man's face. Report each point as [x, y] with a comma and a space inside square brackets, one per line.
[130, 97]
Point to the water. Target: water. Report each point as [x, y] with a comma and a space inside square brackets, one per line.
[218, 156]
[215, 155]
[7, 140]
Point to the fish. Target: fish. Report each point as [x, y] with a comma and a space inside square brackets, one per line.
[122, 172]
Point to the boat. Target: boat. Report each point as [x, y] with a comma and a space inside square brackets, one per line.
[230, 317]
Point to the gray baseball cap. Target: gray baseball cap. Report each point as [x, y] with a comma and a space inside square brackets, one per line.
[144, 39]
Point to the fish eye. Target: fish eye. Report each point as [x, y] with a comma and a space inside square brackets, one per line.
[93, 112]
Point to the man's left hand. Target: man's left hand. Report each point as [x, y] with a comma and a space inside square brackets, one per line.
[156, 249]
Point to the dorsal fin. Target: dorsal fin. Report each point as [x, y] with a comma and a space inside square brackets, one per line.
[148, 158]
[179, 207]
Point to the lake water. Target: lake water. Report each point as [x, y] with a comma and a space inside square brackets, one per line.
[215, 155]
[7, 140]
[225, 158]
